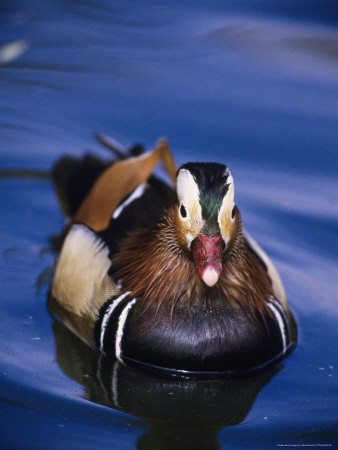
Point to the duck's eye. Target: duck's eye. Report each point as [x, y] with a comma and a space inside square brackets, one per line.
[183, 212]
[233, 212]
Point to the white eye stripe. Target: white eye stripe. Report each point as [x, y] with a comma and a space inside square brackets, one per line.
[228, 199]
[225, 217]
[187, 188]
[189, 196]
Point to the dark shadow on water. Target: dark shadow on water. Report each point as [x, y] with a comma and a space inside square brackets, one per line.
[34, 174]
[181, 413]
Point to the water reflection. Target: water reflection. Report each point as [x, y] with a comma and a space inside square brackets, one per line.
[12, 50]
[181, 413]
[273, 38]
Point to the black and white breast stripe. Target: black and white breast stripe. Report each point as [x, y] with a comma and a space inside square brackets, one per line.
[111, 324]
[282, 321]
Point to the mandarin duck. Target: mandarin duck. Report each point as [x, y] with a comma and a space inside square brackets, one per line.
[163, 276]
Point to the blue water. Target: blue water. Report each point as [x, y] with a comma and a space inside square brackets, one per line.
[250, 84]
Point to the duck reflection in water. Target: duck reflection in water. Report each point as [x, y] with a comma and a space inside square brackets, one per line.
[181, 413]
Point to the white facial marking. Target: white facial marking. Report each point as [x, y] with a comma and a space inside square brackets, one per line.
[188, 196]
[188, 192]
[225, 213]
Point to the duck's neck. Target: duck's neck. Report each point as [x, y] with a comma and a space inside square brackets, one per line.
[155, 269]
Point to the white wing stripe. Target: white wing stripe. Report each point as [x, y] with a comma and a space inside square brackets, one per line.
[137, 193]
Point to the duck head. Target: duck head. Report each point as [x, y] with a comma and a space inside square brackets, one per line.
[208, 220]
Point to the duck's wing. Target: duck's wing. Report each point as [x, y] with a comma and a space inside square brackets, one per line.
[81, 283]
[88, 184]
[74, 177]
[269, 267]
[118, 181]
